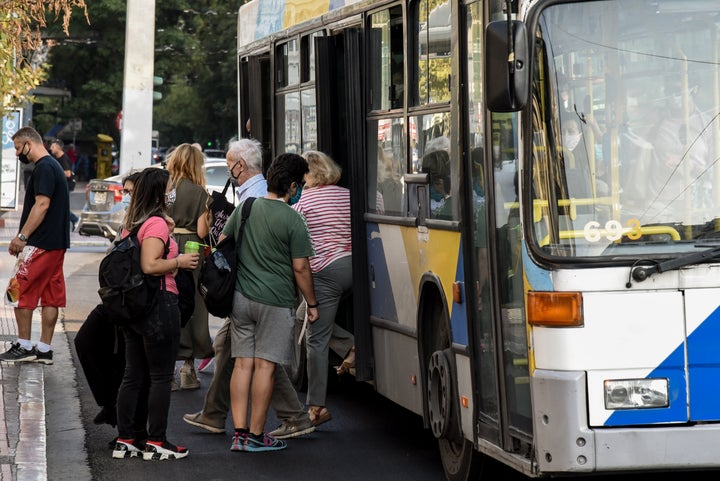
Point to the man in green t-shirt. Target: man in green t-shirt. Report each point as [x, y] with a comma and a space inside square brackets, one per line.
[272, 261]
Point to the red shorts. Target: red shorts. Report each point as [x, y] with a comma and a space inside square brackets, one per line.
[41, 279]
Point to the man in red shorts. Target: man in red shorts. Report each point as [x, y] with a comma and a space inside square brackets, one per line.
[40, 246]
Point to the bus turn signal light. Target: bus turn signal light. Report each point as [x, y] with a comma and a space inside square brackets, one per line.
[554, 309]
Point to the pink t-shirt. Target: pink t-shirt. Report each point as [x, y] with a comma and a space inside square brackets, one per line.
[157, 227]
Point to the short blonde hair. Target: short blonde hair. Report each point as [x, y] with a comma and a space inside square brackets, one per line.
[323, 169]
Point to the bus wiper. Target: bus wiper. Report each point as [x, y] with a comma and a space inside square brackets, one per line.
[639, 274]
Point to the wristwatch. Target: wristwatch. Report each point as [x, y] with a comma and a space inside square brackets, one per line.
[22, 237]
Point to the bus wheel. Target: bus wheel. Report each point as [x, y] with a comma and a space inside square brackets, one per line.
[460, 460]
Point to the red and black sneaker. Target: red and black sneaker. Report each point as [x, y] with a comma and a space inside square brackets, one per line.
[160, 450]
[126, 448]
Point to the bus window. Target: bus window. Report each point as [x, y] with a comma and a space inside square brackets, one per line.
[288, 64]
[433, 153]
[387, 196]
[288, 108]
[433, 50]
[309, 121]
[386, 59]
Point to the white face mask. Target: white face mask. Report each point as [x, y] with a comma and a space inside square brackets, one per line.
[570, 141]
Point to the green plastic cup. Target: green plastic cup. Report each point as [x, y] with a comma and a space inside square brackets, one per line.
[192, 247]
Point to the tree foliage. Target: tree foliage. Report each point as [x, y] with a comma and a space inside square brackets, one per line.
[22, 49]
[195, 54]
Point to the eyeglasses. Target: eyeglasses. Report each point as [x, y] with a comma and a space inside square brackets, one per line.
[126, 192]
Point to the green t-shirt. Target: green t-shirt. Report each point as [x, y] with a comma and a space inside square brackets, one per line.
[274, 235]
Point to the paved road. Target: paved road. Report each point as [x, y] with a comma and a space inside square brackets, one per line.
[369, 437]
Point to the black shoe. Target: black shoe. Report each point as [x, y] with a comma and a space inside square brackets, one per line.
[17, 353]
[43, 357]
[107, 415]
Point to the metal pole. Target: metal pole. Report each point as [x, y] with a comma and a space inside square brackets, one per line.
[136, 134]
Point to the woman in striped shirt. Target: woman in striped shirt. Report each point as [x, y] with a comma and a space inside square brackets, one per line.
[326, 208]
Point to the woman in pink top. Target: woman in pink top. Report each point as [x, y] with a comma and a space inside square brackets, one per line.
[151, 344]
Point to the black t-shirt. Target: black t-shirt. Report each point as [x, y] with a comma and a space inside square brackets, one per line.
[48, 179]
[65, 164]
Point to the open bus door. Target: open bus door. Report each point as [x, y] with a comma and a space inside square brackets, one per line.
[341, 134]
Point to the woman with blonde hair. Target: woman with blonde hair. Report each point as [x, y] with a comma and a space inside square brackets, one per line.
[189, 213]
[326, 208]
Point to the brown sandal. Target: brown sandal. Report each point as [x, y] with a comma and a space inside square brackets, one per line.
[319, 415]
[348, 364]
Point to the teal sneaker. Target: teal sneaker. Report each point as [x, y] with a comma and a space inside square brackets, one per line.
[256, 444]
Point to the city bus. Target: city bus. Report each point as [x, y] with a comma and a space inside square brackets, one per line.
[536, 214]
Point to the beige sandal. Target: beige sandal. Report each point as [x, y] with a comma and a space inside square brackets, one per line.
[319, 415]
[348, 364]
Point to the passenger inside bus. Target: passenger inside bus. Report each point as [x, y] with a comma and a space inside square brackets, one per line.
[436, 163]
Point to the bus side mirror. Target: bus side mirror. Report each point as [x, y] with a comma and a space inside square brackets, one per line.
[507, 76]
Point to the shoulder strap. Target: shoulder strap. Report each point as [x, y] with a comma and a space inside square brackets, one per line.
[247, 205]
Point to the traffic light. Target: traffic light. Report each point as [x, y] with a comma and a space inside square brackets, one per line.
[157, 81]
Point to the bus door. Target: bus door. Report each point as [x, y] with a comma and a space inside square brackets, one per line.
[255, 113]
[340, 133]
[499, 347]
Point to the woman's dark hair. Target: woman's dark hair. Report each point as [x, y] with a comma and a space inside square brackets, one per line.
[283, 171]
[148, 197]
[133, 177]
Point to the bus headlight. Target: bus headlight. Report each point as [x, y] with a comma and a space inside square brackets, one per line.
[636, 393]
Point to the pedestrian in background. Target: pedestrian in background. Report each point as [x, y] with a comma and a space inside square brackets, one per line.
[40, 245]
[274, 252]
[56, 148]
[185, 166]
[151, 344]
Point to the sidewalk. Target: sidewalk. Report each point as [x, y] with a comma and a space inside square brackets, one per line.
[23, 432]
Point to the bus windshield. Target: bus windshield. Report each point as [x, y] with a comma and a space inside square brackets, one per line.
[626, 128]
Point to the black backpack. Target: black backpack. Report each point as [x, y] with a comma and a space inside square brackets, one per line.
[217, 276]
[127, 293]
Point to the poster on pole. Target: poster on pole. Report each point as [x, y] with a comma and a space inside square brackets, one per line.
[9, 172]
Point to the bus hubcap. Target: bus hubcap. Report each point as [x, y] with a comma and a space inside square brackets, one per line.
[439, 394]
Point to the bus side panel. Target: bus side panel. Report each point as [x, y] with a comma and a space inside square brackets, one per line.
[397, 368]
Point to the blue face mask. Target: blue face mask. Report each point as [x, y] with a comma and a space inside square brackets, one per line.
[295, 198]
[435, 195]
[126, 200]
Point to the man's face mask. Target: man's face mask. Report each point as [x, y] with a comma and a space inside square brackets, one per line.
[23, 157]
[295, 198]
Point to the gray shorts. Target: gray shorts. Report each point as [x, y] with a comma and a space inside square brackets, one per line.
[259, 330]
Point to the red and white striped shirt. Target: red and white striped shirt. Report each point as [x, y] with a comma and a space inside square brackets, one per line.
[326, 209]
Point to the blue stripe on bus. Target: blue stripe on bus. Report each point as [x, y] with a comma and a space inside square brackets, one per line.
[382, 301]
[704, 367]
[704, 373]
[538, 279]
[671, 369]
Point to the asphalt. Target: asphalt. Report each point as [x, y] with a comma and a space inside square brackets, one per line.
[27, 396]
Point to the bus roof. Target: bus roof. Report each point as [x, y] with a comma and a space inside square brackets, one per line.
[259, 18]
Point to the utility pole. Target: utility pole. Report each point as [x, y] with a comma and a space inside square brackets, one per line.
[136, 134]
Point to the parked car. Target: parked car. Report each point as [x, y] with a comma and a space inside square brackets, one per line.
[103, 212]
[214, 154]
